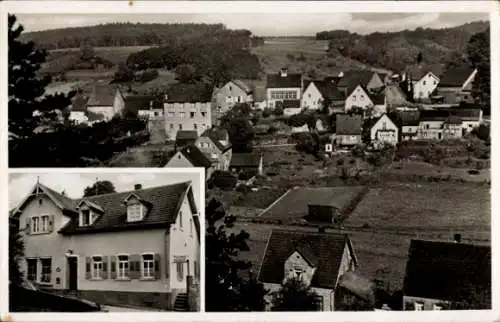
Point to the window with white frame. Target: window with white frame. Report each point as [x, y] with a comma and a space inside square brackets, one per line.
[182, 115]
[134, 212]
[35, 224]
[96, 266]
[419, 306]
[123, 265]
[148, 266]
[85, 217]
[32, 269]
[203, 114]
[180, 126]
[45, 223]
[46, 264]
[190, 226]
[436, 307]
[180, 219]
[180, 271]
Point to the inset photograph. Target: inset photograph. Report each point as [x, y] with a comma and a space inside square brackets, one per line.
[112, 242]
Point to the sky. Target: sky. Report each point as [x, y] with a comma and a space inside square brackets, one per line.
[270, 24]
[73, 184]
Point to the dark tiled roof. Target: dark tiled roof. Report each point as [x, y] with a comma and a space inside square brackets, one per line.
[358, 285]
[329, 91]
[290, 80]
[325, 248]
[244, 160]
[66, 202]
[416, 72]
[196, 157]
[241, 84]
[455, 77]
[434, 115]
[348, 124]
[466, 114]
[213, 137]
[102, 95]
[353, 78]
[332, 79]
[378, 99]
[142, 102]
[452, 119]
[406, 118]
[189, 93]
[186, 135]
[163, 204]
[79, 103]
[217, 133]
[446, 271]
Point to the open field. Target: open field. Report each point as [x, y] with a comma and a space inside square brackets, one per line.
[143, 156]
[116, 55]
[414, 206]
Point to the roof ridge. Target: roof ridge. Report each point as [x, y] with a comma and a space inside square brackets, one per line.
[131, 191]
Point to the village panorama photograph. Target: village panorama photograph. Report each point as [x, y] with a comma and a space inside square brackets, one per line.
[104, 242]
[346, 155]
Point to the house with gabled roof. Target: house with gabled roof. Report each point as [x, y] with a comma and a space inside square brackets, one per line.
[384, 131]
[348, 129]
[408, 122]
[456, 85]
[187, 107]
[318, 259]
[148, 106]
[184, 138]
[106, 100]
[423, 81]
[447, 275]
[233, 92]
[191, 156]
[215, 150]
[118, 248]
[283, 86]
[317, 93]
[352, 78]
[360, 97]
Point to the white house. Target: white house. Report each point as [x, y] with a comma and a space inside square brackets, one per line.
[359, 97]
[283, 86]
[319, 92]
[233, 92]
[424, 82]
[106, 100]
[383, 131]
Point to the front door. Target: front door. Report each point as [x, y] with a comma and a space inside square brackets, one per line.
[73, 273]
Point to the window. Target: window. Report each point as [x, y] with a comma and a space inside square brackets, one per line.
[318, 302]
[171, 126]
[180, 126]
[96, 266]
[354, 97]
[156, 113]
[203, 114]
[40, 201]
[434, 82]
[239, 99]
[419, 306]
[35, 224]
[362, 97]
[148, 266]
[309, 95]
[122, 266]
[170, 114]
[134, 212]
[190, 226]
[180, 271]
[195, 126]
[45, 223]
[180, 219]
[192, 115]
[384, 125]
[230, 88]
[85, 218]
[46, 270]
[182, 114]
[32, 269]
[424, 82]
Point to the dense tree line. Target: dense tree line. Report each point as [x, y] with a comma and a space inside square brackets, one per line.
[396, 50]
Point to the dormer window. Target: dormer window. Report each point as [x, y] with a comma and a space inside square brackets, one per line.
[134, 212]
[85, 218]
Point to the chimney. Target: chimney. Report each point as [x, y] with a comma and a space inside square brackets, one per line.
[138, 186]
[341, 74]
[284, 72]
[457, 238]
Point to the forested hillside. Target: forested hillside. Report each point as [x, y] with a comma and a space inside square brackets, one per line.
[396, 50]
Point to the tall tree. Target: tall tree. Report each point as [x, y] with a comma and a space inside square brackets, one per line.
[420, 58]
[241, 134]
[99, 188]
[478, 51]
[27, 87]
[16, 252]
[226, 289]
[294, 295]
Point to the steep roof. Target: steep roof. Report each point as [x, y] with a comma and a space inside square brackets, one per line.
[102, 95]
[241, 84]
[348, 124]
[406, 118]
[329, 91]
[378, 99]
[446, 271]
[358, 285]
[195, 156]
[455, 77]
[416, 72]
[290, 80]
[136, 103]
[213, 137]
[352, 78]
[434, 115]
[326, 249]
[466, 114]
[189, 93]
[219, 134]
[186, 135]
[244, 160]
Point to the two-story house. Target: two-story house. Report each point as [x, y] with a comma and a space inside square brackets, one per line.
[456, 85]
[471, 117]
[431, 124]
[318, 259]
[371, 81]
[233, 92]
[408, 123]
[348, 130]
[283, 86]
[423, 82]
[358, 97]
[187, 107]
[106, 100]
[320, 94]
[128, 248]
[218, 153]
[384, 131]
[148, 106]
[447, 275]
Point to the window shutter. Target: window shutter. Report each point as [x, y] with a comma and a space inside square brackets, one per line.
[87, 268]
[167, 265]
[157, 266]
[113, 267]
[135, 267]
[51, 223]
[104, 273]
[28, 227]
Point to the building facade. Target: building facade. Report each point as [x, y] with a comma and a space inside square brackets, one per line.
[180, 116]
[283, 86]
[106, 100]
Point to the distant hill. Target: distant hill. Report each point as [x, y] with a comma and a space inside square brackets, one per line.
[396, 50]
